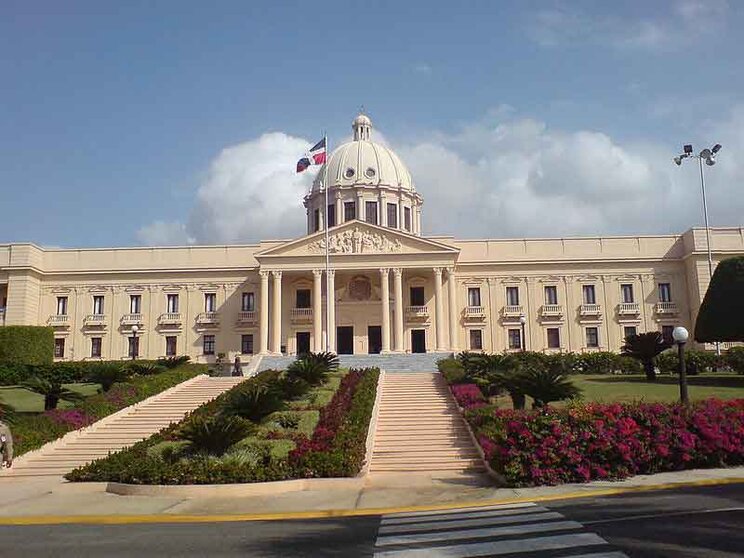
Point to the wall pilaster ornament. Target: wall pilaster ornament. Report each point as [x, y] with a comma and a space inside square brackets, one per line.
[357, 241]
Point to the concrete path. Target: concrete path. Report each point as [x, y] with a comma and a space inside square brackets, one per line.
[119, 430]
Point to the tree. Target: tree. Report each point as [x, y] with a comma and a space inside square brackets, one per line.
[645, 347]
[52, 391]
[545, 385]
[720, 317]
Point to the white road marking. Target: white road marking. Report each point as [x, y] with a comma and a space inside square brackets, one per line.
[461, 523]
[463, 510]
[463, 515]
[479, 533]
[495, 548]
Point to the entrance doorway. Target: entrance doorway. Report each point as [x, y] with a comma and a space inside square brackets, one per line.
[345, 340]
[303, 342]
[374, 339]
[418, 341]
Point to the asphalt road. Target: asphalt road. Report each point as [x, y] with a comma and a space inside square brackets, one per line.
[694, 522]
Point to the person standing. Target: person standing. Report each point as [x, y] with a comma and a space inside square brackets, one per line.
[6, 445]
[237, 367]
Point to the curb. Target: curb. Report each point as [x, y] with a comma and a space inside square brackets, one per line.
[327, 514]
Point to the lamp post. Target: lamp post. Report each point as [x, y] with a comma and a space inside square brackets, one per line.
[709, 156]
[680, 336]
[135, 329]
[522, 321]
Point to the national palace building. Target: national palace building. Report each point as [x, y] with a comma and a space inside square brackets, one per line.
[388, 289]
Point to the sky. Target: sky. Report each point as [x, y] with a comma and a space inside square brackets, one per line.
[153, 123]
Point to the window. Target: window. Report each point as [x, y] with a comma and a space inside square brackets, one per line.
[417, 296]
[316, 220]
[512, 296]
[248, 302]
[370, 212]
[666, 333]
[629, 331]
[172, 307]
[476, 339]
[171, 345]
[349, 211]
[95, 347]
[407, 218]
[302, 299]
[592, 337]
[210, 302]
[246, 344]
[627, 292]
[98, 304]
[135, 304]
[208, 344]
[331, 215]
[589, 294]
[515, 339]
[554, 338]
[392, 215]
[59, 347]
[133, 347]
[474, 298]
[665, 292]
[61, 306]
[551, 294]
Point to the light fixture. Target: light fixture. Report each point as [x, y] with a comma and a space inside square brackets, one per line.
[135, 329]
[678, 160]
[688, 149]
[522, 319]
[680, 334]
[716, 148]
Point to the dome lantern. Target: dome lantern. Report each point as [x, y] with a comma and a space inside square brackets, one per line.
[362, 127]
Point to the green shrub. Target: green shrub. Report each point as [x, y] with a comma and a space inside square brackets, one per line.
[288, 420]
[52, 392]
[314, 372]
[327, 360]
[173, 362]
[27, 344]
[452, 370]
[254, 400]
[545, 386]
[109, 373]
[735, 359]
[216, 434]
[719, 318]
[600, 362]
[145, 368]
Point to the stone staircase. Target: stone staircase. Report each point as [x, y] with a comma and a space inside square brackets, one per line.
[120, 430]
[419, 429]
[419, 362]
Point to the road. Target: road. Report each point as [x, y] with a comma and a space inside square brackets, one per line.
[692, 522]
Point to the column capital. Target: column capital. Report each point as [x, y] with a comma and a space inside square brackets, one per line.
[384, 271]
[331, 273]
[438, 271]
[450, 272]
[264, 274]
[317, 272]
[397, 271]
[277, 274]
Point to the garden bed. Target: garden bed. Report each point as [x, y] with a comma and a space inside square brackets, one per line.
[308, 432]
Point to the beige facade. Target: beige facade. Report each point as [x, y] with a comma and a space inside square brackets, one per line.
[393, 290]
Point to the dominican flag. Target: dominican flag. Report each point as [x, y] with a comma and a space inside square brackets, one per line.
[316, 156]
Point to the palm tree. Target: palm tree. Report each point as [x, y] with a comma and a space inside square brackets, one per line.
[545, 385]
[645, 347]
[52, 391]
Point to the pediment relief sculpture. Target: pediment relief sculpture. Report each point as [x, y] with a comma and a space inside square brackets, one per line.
[357, 241]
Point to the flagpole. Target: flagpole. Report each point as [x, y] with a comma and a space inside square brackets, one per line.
[329, 294]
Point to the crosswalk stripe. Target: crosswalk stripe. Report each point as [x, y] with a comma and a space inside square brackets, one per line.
[479, 533]
[461, 523]
[599, 555]
[495, 548]
[464, 515]
[463, 510]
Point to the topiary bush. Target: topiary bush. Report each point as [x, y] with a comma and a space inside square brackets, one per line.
[214, 435]
[26, 344]
[735, 359]
[720, 315]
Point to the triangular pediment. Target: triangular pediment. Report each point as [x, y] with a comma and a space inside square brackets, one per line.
[357, 237]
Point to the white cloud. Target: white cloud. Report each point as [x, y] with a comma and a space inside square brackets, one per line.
[683, 22]
[501, 177]
[422, 69]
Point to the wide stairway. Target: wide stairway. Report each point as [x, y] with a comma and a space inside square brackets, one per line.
[113, 433]
[419, 429]
[420, 362]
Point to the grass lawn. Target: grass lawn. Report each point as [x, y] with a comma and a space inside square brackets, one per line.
[25, 401]
[625, 389]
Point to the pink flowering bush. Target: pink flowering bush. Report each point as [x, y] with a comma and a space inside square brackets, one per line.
[468, 396]
[609, 441]
[72, 419]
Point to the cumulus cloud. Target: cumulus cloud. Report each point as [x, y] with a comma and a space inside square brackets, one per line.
[683, 22]
[503, 176]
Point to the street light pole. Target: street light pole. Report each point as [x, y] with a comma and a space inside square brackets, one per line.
[522, 321]
[135, 329]
[680, 336]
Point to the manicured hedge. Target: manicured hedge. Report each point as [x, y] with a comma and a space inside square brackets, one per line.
[31, 431]
[719, 318]
[26, 344]
[341, 431]
[68, 372]
[598, 441]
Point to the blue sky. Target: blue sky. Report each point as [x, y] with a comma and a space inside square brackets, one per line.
[115, 117]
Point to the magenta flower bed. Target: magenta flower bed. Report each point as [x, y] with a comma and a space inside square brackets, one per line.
[600, 441]
[468, 396]
[72, 419]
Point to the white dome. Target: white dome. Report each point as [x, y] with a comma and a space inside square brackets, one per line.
[364, 162]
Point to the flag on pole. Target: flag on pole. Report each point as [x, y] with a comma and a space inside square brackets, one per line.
[316, 156]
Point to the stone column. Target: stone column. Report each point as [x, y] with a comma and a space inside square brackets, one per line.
[439, 305]
[385, 283]
[398, 286]
[383, 210]
[318, 310]
[453, 316]
[276, 315]
[339, 209]
[360, 207]
[400, 212]
[331, 294]
[263, 316]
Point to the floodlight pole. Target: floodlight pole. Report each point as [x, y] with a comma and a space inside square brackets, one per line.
[327, 254]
